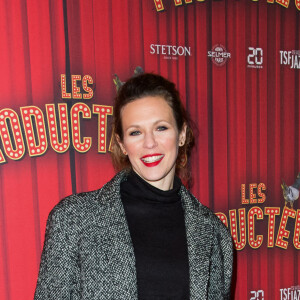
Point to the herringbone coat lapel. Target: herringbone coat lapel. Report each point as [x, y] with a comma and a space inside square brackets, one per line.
[119, 251]
[199, 232]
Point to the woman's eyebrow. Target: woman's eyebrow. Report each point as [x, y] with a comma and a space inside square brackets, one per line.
[139, 126]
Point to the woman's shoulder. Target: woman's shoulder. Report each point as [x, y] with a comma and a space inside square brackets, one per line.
[195, 205]
[88, 202]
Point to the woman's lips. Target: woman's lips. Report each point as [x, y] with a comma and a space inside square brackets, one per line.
[152, 160]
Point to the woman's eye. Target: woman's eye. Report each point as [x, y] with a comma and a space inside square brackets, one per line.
[162, 128]
[133, 133]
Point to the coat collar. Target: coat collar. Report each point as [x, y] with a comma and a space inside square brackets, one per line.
[198, 231]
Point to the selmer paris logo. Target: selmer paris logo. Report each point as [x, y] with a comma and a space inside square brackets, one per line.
[219, 55]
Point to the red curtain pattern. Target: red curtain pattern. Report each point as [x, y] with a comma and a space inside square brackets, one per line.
[247, 118]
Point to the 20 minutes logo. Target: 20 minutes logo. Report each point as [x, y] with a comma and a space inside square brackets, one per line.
[255, 58]
[257, 295]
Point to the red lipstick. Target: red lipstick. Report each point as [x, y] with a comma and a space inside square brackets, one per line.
[152, 160]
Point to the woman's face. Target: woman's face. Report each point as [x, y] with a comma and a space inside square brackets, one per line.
[151, 140]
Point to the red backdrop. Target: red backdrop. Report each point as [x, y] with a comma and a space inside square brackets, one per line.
[246, 111]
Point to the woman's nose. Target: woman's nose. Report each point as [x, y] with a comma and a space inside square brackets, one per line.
[150, 141]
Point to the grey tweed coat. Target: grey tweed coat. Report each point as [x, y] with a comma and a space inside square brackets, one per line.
[88, 253]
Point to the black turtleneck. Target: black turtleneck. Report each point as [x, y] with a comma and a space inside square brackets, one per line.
[156, 224]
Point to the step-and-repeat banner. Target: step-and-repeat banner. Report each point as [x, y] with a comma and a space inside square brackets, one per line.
[236, 65]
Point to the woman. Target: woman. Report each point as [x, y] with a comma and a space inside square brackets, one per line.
[142, 235]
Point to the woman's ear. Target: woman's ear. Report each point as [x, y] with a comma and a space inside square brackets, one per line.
[182, 135]
[121, 144]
